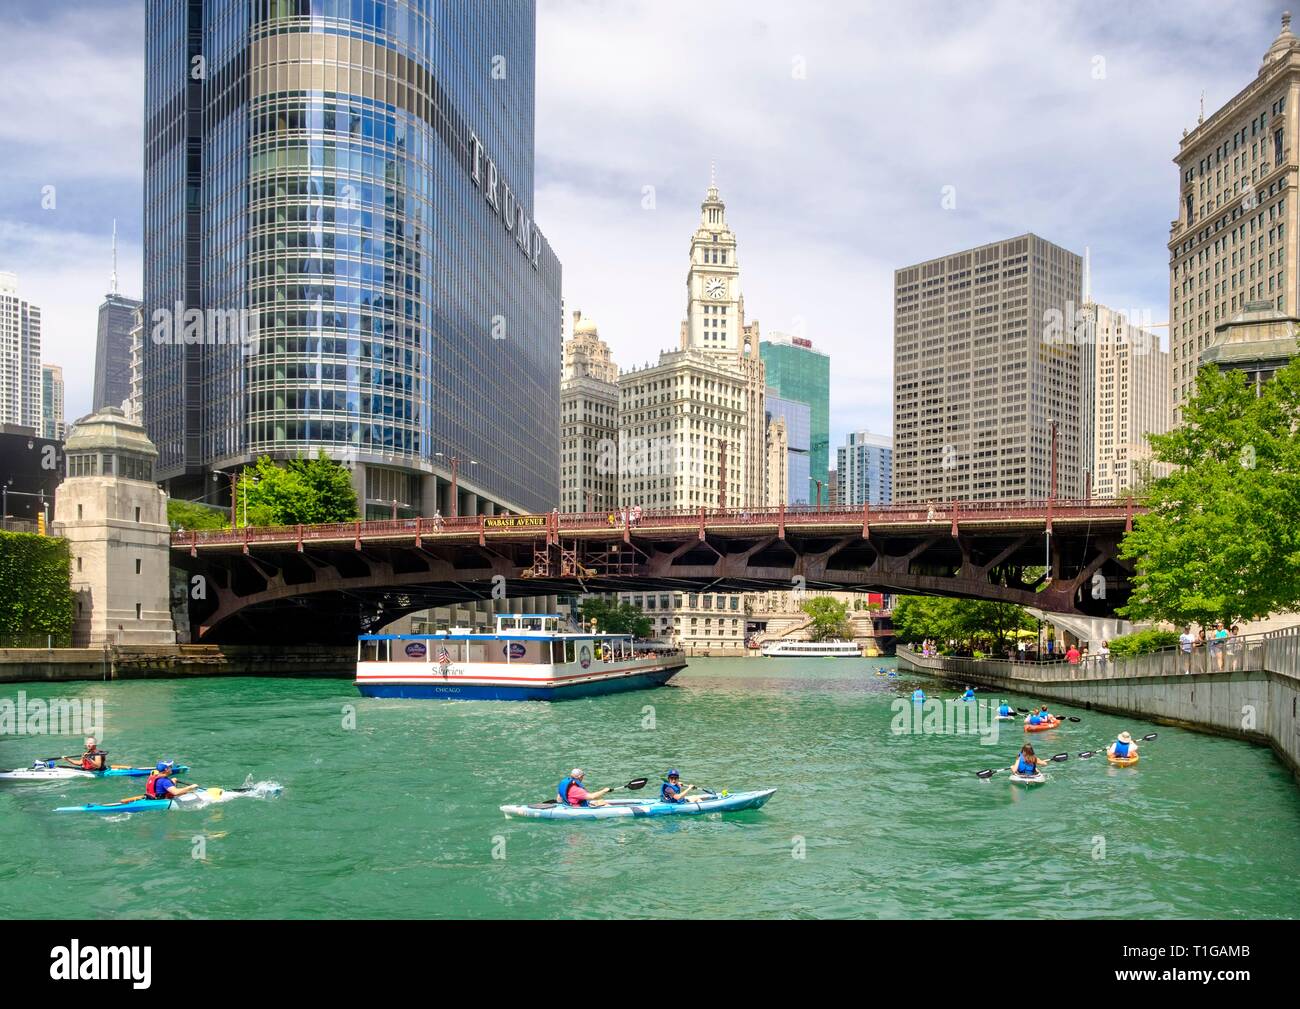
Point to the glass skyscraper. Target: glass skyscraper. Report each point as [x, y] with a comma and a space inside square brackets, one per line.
[797, 426]
[798, 372]
[865, 469]
[113, 351]
[343, 190]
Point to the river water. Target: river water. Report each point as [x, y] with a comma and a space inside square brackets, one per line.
[389, 808]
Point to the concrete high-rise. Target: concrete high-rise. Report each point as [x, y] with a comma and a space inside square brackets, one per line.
[797, 371]
[864, 469]
[1234, 241]
[340, 249]
[789, 426]
[52, 419]
[1131, 379]
[20, 357]
[588, 421]
[986, 365]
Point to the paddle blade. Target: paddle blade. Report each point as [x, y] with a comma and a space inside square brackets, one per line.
[636, 783]
[1147, 739]
[1058, 757]
[1075, 718]
[1086, 754]
[214, 793]
[986, 773]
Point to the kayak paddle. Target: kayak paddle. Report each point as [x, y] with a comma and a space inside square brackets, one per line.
[1092, 753]
[631, 786]
[988, 772]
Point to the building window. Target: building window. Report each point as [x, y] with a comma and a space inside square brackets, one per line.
[137, 514]
[137, 611]
[137, 565]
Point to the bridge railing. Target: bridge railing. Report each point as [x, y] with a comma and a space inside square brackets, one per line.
[1276, 651]
[620, 519]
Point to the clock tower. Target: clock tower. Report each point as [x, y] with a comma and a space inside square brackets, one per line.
[714, 308]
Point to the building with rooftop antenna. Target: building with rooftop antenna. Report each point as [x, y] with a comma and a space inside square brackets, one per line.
[113, 343]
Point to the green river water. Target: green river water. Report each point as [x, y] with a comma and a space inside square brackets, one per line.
[397, 817]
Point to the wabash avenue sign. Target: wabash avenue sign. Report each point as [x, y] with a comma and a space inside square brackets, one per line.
[514, 521]
[483, 170]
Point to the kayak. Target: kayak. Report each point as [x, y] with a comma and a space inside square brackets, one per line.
[1042, 728]
[1028, 779]
[1123, 761]
[720, 803]
[190, 800]
[49, 771]
[1007, 718]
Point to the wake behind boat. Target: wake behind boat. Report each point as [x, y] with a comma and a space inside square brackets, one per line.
[528, 658]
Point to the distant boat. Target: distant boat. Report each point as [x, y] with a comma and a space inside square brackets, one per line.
[812, 650]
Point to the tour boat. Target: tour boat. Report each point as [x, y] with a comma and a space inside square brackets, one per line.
[812, 650]
[528, 658]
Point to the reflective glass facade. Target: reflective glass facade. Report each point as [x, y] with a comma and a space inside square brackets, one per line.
[357, 177]
[798, 372]
[797, 417]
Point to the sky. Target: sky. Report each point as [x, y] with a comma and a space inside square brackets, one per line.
[849, 139]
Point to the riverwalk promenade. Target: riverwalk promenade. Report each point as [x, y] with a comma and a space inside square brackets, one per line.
[1247, 688]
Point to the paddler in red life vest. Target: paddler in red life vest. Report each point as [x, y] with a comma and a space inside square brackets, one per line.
[94, 759]
[571, 793]
[162, 782]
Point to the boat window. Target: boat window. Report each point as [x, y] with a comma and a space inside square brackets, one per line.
[570, 650]
[557, 652]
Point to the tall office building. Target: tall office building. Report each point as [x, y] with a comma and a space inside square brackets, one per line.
[864, 469]
[986, 364]
[117, 315]
[52, 420]
[588, 421]
[1234, 241]
[20, 357]
[789, 427]
[797, 371]
[692, 428]
[340, 250]
[134, 409]
[1131, 379]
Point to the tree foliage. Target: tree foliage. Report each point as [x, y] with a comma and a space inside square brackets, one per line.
[301, 490]
[830, 619]
[1143, 642]
[968, 622]
[36, 601]
[1221, 540]
[192, 515]
[613, 617]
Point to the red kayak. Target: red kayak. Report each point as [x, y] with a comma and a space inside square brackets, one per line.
[1044, 727]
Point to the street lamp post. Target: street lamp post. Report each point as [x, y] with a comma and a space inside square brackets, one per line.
[455, 477]
[234, 501]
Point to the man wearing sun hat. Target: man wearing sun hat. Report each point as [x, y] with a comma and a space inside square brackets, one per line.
[1123, 747]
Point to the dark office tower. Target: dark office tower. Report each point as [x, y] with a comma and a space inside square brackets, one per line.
[340, 250]
[113, 344]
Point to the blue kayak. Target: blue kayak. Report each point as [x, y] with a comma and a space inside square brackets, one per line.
[50, 771]
[193, 800]
[721, 802]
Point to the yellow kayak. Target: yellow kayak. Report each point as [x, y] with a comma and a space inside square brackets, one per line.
[1123, 761]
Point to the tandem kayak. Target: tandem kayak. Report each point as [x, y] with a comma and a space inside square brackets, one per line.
[1042, 728]
[190, 800]
[721, 803]
[1123, 761]
[49, 771]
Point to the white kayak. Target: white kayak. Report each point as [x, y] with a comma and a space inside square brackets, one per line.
[1028, 779]
[53, 772]
[721, 802]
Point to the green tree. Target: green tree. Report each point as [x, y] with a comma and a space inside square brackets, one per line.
[302, 490]
[613, 617]
[1221, 539]
[968, 622]
[192, 515]
[36, 602]
[830, 619]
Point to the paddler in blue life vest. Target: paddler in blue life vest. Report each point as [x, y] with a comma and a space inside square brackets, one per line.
[969, 695]
[94, 759]
[162, 783]
[1123, 747]
[673, 790]
[1039, 717]
[1005, 710]
[571, 793]
[1026, 763]
[918, 696]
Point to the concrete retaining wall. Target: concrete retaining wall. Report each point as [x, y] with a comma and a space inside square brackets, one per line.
[1260, 705]
[34, 665]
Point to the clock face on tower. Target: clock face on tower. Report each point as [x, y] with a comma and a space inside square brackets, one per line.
[715, 288]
